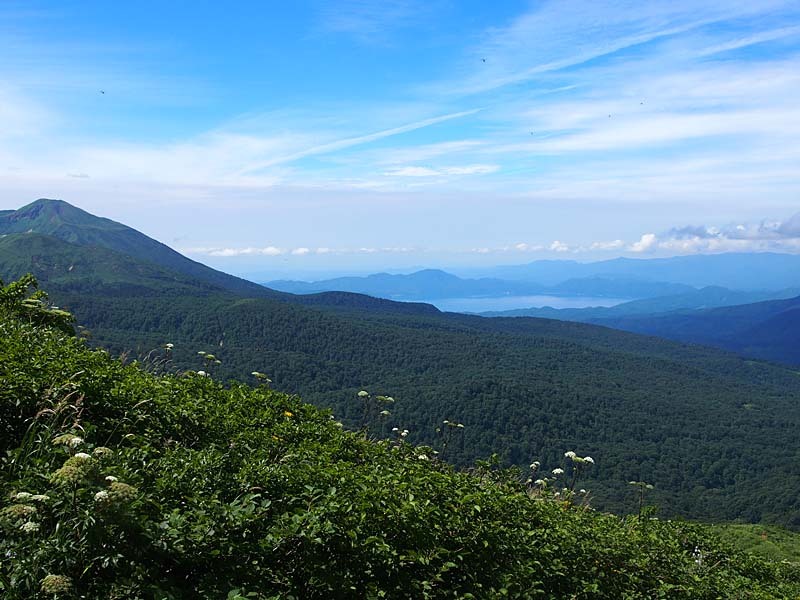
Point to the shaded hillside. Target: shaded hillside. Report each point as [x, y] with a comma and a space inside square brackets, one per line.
[767, 330]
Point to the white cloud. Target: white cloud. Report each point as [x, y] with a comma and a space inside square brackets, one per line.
[301, 251]
[230, 252]
[767, 235]
[558, 246]
[613, 245]
[646, 243]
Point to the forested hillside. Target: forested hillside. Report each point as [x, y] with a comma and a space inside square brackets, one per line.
[695, 422]
[121, 481]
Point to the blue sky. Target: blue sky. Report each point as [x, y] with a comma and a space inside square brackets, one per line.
[354, 135]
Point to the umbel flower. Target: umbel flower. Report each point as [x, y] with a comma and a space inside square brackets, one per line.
[68, 439]
[122, 492]
[30, 527]
[56, 584]
[76, 469]
[117, 494]
[16, 513]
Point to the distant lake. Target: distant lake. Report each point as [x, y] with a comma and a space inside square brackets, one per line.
[475, 305]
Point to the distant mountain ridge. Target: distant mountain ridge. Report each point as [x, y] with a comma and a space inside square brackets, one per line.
[740, 271]
[432, 284]
[707, 297]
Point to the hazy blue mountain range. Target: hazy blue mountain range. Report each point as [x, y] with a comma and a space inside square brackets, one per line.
[688, 418]
[707, 297]
[431, 284]
[751, 271]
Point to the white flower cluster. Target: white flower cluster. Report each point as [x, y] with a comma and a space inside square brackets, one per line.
[30, 527]
[577, 459]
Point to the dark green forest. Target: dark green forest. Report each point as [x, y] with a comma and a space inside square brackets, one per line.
[711, 431]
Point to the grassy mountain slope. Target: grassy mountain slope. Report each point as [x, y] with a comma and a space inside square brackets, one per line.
[117, 483]
[74, 268]
[69, 223]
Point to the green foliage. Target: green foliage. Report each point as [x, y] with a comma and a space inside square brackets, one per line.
[119, 483]
[22, 299]
[645, 409]
[767, 541]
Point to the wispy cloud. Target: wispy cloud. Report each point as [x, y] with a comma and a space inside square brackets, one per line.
[557, 35]
[419, 171]
[371, 22]
[357, 140]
